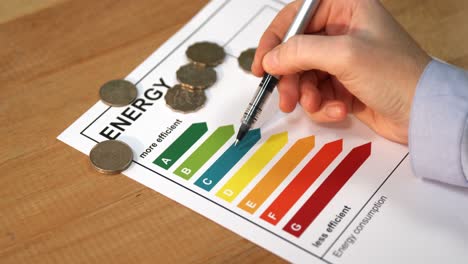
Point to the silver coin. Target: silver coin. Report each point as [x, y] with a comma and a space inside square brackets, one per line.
[206, 53]
[195, 76]
[184, 100]
[111, 156]
[118, 93]
[246, 59]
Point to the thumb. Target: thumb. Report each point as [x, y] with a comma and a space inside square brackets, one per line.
[308, 52]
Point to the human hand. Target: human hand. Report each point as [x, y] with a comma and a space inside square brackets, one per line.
[353, 58]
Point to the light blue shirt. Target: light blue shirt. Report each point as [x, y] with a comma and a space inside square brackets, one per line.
[438, 134]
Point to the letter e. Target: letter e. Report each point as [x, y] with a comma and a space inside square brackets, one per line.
[250, 204]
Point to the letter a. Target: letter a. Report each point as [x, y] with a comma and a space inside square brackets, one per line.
[166, 161]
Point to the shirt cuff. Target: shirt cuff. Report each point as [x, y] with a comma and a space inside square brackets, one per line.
[438, 133]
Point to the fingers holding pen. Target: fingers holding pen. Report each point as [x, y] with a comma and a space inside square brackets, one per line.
[268, 41]
[308, 52]
[312, 57]
[273, 35]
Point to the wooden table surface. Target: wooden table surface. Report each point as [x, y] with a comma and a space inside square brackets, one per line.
[54, 208]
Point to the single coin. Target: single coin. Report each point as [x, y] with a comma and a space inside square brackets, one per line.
[111, 156]
[118, 93]
[246, 59]
[206, 53]
[184, 100]
[195, 76]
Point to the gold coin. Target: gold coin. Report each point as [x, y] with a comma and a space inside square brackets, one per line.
[206, 53]
[118, 93]
[195, 76]
[111, 156]
[184, 100]
[246, 59]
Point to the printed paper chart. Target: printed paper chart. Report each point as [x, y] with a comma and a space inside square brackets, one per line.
[309, 193]
[273, 178]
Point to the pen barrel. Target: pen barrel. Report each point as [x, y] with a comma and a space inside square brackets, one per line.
[302, 18]
[255, 107]
[269, 82]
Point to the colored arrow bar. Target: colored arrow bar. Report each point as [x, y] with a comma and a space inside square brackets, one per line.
[306, 177]
[327, 190]
[277, 174]
[252, 167]
[203, 153]
[181, 145]
[227, 160]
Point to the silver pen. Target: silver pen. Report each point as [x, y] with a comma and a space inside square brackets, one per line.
[269, 81]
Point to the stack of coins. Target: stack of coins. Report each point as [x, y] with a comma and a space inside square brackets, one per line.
[195, 77]
[199, 74]
[206, 54]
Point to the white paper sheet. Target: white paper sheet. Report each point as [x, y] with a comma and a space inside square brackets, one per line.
[394, 217]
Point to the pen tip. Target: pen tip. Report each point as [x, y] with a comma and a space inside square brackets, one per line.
[236, 142]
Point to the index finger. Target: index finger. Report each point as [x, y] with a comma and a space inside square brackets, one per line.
[274, 34]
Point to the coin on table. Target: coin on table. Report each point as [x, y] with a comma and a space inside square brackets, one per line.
[111, 156]
[246, 59]
[184, 100]
[206, 53]
[194, 76]
[118, 93]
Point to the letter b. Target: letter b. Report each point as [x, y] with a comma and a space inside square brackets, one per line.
[186, 171]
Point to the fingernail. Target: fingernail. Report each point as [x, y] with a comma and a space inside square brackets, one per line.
[334, 112]
[271, 58]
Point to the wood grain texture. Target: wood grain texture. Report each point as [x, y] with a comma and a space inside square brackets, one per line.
[10, 10]
[54, 208]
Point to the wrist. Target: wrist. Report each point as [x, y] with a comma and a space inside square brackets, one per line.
[419, 65]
